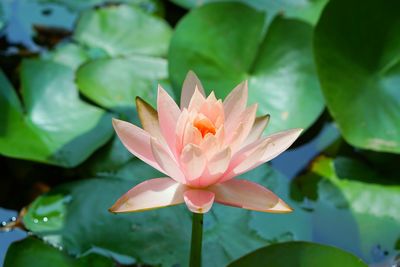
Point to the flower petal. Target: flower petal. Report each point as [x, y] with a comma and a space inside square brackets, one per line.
[237, 137]
[137, 141]
[216, 166]
[198, 201]
[191, 135]
[248, 195]
[259, 152]
[197, 101]
[258, 128]
[220, 161]
[234, 105]
[280, 142]
[193, 161]
[189, 84]
[150, 194]
[167, 161]
[149, 118]
[245, 159]
[168, 114]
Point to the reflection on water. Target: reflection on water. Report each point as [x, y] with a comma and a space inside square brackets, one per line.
[6, 238]
[293, 161]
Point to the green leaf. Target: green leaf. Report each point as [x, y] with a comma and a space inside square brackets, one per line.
[69, 54]
[224, 50]
[298, 254]
[307, 10]
[133, 44]
[54, 126]
[123, 30]
[349, 204]
[34, 253]
[115, 83]
[357, 52]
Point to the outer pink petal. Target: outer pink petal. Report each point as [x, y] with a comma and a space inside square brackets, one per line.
[193, 162]
[136, 141]
[199, 201]
[250, 156]
[248, 195]
[261, 151]
[149, 118]
[168, 114]
[280, 142]
[167, 161]
[237, 137]
[234, 105]
[150, 194]
[188, 88]
[256, 131]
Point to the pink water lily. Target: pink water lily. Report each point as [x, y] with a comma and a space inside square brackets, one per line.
[201, 147]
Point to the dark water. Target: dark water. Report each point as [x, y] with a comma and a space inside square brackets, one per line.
[8, 237]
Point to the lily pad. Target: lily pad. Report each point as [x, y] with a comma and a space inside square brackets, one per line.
[307, 10]
[35, 253]
[224, 50]
[69, 54]
[133, 44]
[298, 254]
[53, 126]
[115, 83]
[358, 60]
[123, 30]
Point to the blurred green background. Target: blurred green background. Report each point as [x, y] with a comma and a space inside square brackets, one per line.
[69, 66]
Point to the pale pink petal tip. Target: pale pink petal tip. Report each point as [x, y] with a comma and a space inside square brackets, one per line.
[150, 194]
[189, 84]
[280, 207]
[199, 201]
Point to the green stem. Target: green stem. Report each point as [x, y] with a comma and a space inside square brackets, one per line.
[197, 238]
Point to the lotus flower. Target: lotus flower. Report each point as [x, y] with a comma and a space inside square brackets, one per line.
[201, 147]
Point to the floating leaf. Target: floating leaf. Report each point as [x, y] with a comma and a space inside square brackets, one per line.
[358, 60]
[298, 254]
[34, 253]
[224, 51]
[307, 10]
[133, 43]
[70, 54]
[123, 30]
[115, 83]
[54, 126]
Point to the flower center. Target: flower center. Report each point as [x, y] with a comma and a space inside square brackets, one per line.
[204, 125]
